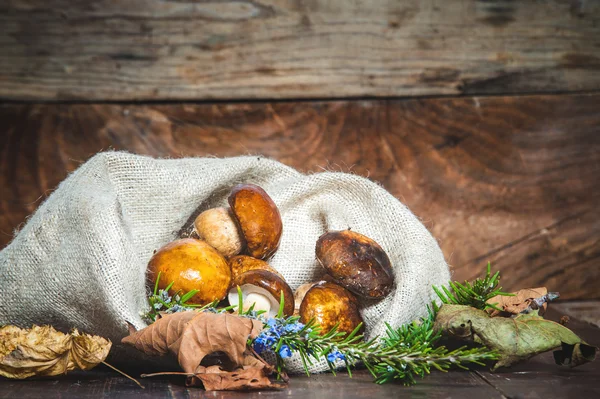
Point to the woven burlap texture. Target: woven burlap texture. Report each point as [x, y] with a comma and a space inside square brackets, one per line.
[80, 260]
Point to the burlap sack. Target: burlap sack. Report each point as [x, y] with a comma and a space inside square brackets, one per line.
[80, 260]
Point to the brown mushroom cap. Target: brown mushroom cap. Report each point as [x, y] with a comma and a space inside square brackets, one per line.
[267, 281]
[259, 219]
[329, 304]
[356, 262]
[303, 289]
[191, 264]
[242, 263]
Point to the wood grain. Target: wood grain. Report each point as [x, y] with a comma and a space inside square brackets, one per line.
[586, 311]
[511, 180]
[170, 49]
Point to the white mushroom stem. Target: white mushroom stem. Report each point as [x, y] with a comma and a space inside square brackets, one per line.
[258, 300]
[257, 296]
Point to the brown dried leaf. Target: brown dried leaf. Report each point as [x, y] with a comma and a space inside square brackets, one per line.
[87, 350]
[193, 335]
[214, 378]
[43, 351]
[520, 302]
[253, 374]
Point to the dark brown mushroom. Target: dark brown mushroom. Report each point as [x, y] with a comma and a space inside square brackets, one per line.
[356, 262]
[259, 219]
[262, 289]
[329, 304]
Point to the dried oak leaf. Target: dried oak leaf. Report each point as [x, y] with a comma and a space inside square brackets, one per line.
[523, 301]
[247, 377]
[515, 339]
[43, 351]
[191, 336]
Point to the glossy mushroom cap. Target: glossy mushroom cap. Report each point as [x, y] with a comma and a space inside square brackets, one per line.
[263, 286]
[356, 262]
[191, 265]
[242, 263]
[329, 304]
[258, 218]
[303, 289]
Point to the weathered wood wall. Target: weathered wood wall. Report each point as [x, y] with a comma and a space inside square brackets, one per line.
[174, 49]
[512, 180]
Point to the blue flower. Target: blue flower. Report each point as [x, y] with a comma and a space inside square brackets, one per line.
[335, 355]
[176, 308]
[285, 351]
[263, 342]
[158, 305]
[293, 328]
[272, 322]
[164, 295]
[251, 315]
[259, 344]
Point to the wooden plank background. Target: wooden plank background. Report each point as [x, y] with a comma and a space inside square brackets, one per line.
[512, 180]
[55, 50]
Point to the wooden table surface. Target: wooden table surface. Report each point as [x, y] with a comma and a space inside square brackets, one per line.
[536, 378]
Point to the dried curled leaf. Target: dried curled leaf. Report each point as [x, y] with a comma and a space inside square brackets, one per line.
[523, 301]
[574, 355]
[43, 351]
[195, 337]
[191, 336]
[253, 376]
[515, 339]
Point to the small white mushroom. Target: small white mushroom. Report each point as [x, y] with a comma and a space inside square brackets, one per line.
[220, 230]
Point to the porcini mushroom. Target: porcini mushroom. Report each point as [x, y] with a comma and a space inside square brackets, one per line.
[356, 262]
[242, 263]
[262, 289]
[303, 289]
[258, 218]
[220, 230]
[191, 265]
[330, 304]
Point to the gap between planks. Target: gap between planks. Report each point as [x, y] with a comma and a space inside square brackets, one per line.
[500, 391]
[265, 100]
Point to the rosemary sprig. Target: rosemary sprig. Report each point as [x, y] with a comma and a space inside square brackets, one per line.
[411, 351]
[161, 301]
[402, 355]
[475, 294]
